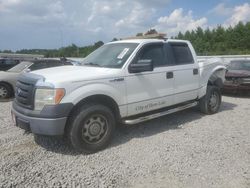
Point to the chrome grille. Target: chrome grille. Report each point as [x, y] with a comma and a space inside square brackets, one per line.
[25, 89]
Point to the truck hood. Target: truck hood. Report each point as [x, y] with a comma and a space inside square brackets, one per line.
[76, 73]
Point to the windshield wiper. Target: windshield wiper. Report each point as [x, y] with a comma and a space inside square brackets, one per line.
[92, 64]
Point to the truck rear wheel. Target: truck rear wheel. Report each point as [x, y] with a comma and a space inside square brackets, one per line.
[210, 103]
[91, 128]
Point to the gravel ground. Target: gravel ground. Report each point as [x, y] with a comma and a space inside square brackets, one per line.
[186, 149]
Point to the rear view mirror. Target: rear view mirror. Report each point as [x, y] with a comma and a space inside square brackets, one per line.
[143, 65]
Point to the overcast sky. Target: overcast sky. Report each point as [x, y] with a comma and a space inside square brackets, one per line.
[56, 23]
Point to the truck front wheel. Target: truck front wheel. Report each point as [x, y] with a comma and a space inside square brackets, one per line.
[91, 128]
[210, 103]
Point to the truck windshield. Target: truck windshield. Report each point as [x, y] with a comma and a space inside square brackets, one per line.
[110, 55]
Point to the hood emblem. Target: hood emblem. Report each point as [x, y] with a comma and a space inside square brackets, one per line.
[18, 91]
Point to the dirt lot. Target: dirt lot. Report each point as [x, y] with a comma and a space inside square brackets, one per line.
[186, 149]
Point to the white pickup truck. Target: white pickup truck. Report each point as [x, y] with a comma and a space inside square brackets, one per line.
[128, 81]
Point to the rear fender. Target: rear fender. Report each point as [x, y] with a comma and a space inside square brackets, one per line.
[214, 76]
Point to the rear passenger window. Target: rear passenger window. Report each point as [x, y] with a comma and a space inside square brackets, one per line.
[182, 53]
[154, 53]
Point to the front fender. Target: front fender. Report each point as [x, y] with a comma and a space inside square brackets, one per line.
[118, 94]
[115, 91]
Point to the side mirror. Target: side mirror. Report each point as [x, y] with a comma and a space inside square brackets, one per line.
[143, 65]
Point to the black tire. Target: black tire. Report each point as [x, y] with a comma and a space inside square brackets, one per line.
[210, 103]
[90, 128]
[5, 91]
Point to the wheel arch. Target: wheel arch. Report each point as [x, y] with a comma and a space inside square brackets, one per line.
[217, 77]
[213, 77]
[99, 99]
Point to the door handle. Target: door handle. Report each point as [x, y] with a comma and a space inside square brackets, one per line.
[170, 75]
[195, 71]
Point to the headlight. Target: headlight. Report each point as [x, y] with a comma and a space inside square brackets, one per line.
[48, 97]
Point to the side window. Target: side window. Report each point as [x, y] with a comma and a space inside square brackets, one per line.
[181, 53]
[37, 66]
[10, 62]
[154, 53]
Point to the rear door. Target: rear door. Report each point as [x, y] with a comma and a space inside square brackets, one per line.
[186, 72]
[147, 91]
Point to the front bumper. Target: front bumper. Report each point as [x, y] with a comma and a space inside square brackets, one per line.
[50, 121]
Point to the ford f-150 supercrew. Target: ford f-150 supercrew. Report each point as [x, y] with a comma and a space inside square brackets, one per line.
[127, 81]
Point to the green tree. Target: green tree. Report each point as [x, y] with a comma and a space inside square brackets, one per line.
[220, 40]
[180, 36]
[98, 44]
[7, 51]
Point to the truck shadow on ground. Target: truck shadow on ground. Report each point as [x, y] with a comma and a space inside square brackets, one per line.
[125, 133]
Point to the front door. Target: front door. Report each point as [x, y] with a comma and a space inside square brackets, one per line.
[147, 91]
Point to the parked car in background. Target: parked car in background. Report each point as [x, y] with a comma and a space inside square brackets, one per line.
[238, 76]
[8, 78]
[7, 63]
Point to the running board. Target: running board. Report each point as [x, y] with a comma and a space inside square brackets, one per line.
[153, 116]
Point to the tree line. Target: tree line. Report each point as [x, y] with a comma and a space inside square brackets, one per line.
[69, 51]
[217, 41]
[220, 41]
